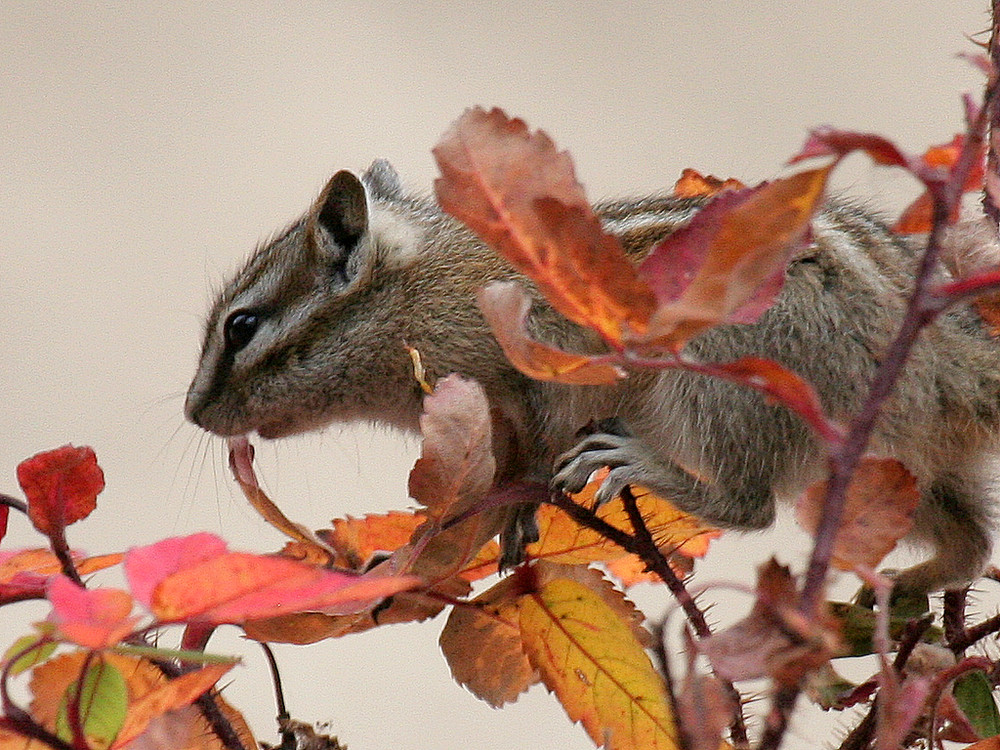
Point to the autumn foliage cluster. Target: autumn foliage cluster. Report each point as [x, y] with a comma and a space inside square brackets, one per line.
[563, 618]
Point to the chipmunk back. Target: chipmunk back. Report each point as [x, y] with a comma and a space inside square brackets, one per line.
[313, 330]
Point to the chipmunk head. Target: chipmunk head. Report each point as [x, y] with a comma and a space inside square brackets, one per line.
[309, 331]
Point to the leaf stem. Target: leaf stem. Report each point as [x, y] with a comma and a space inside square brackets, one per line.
[13, 502]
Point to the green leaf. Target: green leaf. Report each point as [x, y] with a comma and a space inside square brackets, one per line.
[103, 705]
[33, 650]
[857, 627]
[188, 656]
[975, 698]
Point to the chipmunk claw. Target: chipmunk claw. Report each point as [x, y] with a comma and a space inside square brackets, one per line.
[604, 444]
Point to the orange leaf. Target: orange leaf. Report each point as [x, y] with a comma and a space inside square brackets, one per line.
[61, 486]
[598, 669]
[505, 306]
[482, 645]
[92, 618]
[24, 574]
[169, 696]
[520, 194]
[562, 540]
[740, 247]
[917, 217]
[238, 586]
[358, 539]
[44, 563]
[693, 184]
[151, 700]
[881, 499]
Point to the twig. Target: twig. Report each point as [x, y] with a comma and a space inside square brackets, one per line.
[924, 305]
[993, 106]
[953, 618]
[776, 721]
[657, 563]
[861, 736]
[651, 555]
[15, 718]
[943, 679]
[13, 502]
[288, 738]
[976, 633]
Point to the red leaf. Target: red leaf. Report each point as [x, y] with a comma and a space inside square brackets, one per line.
[92, 618]
[881, 500]
[22, 586]
[728, 263]
[783, 386]
[4, 515]
[456, 463]
[61, 486]
[774, 639]
[828, 141]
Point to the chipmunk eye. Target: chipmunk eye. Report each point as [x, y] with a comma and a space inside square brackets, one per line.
[240, 327]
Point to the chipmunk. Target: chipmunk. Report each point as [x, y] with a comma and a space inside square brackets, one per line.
[312, 331]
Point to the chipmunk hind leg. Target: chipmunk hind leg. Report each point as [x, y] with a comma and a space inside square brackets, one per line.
[954, 519]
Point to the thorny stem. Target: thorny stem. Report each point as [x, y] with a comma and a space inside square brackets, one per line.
[924, 305]
[953, 617]
[776, 721]
[218, 722]
[644, 546]
[656, 562]
[975, 634]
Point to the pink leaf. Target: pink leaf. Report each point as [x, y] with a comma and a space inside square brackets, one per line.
[146, 567]
[197, 579]
[96, 619]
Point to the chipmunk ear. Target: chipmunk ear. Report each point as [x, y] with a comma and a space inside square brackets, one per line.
[342, 210]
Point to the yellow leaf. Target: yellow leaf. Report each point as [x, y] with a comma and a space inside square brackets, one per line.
[596, 666]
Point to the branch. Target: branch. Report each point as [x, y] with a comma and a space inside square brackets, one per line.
[652, 556]
[976, 633]
[657, 563]
[924, 305]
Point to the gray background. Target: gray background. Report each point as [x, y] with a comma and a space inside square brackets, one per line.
[146, 148]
